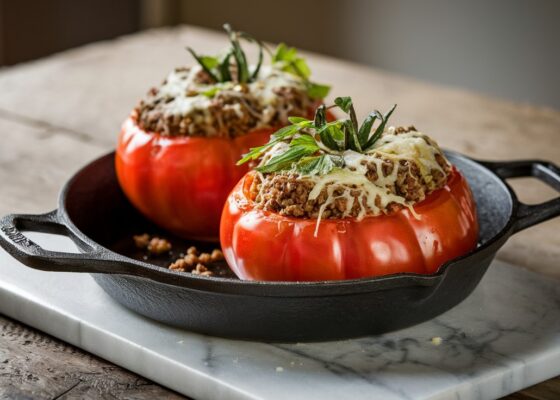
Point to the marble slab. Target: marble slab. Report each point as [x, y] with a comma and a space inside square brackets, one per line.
[504, 337]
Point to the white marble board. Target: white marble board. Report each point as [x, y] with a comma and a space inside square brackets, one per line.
[504, 337]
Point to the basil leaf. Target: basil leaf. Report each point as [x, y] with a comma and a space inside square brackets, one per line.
[290, 62]
[252, 39]
[259, 64]
[278, 136]
[317, 91]
[344, 103]
[253, 154]
[332, 135]
[206, 62]
[365, 129]
[285, 132]
[239, 55]
[379, 131]
[352, 136]
[296, 120]
[224, 67]
[284, 53]
[317, 165]
[328, 141]
[209, 61]
[285, 160]
[305, 141]
[302, 69]
[212, 91]
[320, 116]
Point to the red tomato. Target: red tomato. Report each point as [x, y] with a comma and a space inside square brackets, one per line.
[261, 245]
[181, 183]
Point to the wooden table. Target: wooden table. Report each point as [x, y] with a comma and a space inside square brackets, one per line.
[58, 113]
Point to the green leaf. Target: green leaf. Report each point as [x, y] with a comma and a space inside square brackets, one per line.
[284, 53]
[332, 135]
[365, 129]
[326, 130]
[290, 62]
[260, 44]
[224, 67]
[379, 131]
[305, 141]
[206, 62]
[320, 116]
[328, 141]
[239, 55]
[344, 103]
[285, 160]
[257, 69]
[316, 165]
[296, 120]
[278, 136]
[209, 61]
[317, 91]
[286, 131]
[335, 130]
[212, 91]
[352, 137]
[300, 65]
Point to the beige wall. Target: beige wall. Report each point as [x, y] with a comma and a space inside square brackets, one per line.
[506, 48]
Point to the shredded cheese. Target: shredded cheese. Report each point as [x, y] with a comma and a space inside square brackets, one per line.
[374, 196]
[181, 95]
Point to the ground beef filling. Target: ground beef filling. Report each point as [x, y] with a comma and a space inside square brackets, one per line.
[288, 194]
[227, 113]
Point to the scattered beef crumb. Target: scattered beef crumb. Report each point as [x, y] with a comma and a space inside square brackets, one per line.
[158, 246]
[197, 263]
[154, 245]
[192, 262]
[141, 241]
[201, 270]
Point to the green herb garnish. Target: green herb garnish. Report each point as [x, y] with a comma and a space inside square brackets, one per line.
[285, 58]
[288, 60]
[316, 146]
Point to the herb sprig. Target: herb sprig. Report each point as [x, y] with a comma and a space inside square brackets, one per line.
[288, 60]
[285, 58]
[315, 146]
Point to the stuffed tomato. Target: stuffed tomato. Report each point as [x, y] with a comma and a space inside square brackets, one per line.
[176, 154]
[332, 201]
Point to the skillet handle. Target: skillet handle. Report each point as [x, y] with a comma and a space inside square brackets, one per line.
[529, 215]
[91, 260]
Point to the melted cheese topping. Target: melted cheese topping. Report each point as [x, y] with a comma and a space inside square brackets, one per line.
[181, 94]
[413, 146]
[375, 196]
[350, 181]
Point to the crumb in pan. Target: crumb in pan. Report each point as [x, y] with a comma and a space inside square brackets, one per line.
[197, 263]
[155, 245]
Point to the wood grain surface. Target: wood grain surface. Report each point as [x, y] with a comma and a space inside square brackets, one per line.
[36, 366]
[58, 113]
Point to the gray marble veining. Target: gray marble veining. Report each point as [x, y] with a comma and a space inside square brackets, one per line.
[504, 337]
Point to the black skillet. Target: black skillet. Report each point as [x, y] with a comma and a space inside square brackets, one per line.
[94, 213]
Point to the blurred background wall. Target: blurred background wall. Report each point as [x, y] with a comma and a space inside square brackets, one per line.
[505, 48]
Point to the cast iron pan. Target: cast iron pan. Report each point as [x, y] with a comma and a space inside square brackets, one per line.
[94, 213]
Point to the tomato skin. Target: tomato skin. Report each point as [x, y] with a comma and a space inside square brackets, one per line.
[261, 245]
[181, 183]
